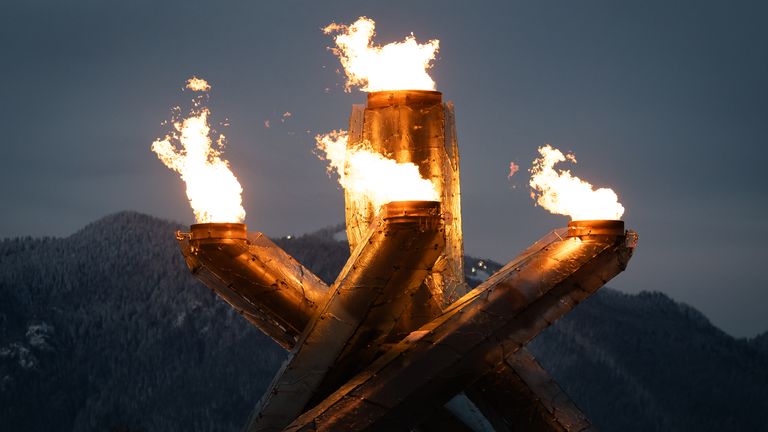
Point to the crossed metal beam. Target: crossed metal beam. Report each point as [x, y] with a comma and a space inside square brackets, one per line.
[399, 334]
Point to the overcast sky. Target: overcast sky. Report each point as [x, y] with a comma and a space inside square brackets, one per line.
[666, 102]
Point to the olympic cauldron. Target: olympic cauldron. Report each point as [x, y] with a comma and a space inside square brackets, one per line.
[399, 341]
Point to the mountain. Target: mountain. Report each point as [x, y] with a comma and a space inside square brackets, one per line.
[645, 362]
[107, 330]
[761, 342]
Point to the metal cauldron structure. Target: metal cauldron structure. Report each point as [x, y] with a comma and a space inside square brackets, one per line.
[399, 337]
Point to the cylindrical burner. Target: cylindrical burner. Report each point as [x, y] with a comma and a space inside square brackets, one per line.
[232, 231]
[411, 211]
[581, 228]
[411, 98]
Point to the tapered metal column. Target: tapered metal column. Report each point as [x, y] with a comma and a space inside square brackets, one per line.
[478, 332]
[366, 300]
[415, 126]
[260, 280]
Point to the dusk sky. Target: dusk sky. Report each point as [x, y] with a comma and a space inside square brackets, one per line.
[665, 102]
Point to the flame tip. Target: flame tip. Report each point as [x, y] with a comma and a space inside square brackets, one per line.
[561, 192]
[373, 67]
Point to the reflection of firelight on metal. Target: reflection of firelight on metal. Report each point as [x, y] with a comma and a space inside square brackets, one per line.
[399, 334]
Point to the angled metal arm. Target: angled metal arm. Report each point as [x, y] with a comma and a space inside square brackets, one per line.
[476, 334]
[257, 278]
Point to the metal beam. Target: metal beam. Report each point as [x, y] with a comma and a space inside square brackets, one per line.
[477, 333]
[251, 273]
[519, 395]
[388, 265]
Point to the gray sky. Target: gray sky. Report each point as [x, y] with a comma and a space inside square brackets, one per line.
[665, 102]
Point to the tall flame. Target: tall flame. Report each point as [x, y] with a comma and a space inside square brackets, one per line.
[213, 190]
[396, 66]
[368, 174]
[562, 193]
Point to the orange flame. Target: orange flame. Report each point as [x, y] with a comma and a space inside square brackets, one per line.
[562, 193]
[213, 190]
[396, 66]
[368, 174]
